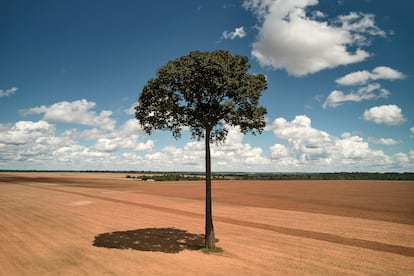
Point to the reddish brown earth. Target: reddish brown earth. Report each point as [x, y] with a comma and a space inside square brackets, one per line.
[106, 224]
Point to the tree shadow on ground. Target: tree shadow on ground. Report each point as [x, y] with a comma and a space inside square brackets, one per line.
[167, 240]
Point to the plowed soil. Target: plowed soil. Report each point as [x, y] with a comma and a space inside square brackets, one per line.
[107, 224]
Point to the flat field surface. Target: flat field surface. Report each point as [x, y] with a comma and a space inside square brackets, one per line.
[107, 224]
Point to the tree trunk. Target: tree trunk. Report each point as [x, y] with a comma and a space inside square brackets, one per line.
[209, 234]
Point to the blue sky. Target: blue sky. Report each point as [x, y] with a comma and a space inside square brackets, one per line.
[339, 97]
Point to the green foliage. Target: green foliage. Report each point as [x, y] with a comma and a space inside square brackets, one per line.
[173, 177]
[203, 91]
[180, 176]
[323, 176]
[212, 250]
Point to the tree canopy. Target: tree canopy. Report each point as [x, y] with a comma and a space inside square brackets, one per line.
[203, 91]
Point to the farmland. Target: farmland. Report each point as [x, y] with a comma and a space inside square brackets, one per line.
[107, 224]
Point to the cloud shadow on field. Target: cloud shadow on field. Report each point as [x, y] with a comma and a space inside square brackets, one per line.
[167, 240]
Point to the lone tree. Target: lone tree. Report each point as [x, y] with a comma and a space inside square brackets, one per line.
[204, 92]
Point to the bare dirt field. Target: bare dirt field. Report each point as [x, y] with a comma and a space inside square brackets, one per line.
[106, 224]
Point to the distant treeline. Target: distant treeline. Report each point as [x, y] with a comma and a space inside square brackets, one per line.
[167, 177]
[327, 176]
[174, 177]
[179, 176]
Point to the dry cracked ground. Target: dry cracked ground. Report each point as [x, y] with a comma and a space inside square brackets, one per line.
[106, 224]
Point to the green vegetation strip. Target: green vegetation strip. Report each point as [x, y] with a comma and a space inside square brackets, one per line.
[214, 250]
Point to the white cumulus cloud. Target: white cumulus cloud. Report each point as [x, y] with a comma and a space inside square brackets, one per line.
[114, 144]
[76, 112]
[237, 33]
[23, 132]
[383, 141]
[278, 151]
[232, 155]
[290, 39]
[127, 136]
[305, 142]
[28, 143]
[369, 92]
[7, 92]
[364, 76]
[311, 149]
[36, 145]
[358, 24]
[390, 115]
